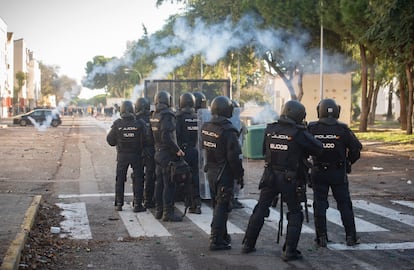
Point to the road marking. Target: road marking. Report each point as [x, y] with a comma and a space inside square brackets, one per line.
[405, 203]
[372, 246]
[141, 224]
[334, 216]
[69, 196]
[384, 211]
[76, 223]
[203, 221]
[274, 216]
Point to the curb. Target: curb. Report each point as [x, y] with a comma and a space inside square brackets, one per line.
[12, 258]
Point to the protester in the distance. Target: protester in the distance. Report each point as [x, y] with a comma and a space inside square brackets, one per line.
[163, 124]
[223, 165]
[143, 112]
[286, 144]
[341, 150]
[128, 135]
[187, 137]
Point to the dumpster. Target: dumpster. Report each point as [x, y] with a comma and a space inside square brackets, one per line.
[253, 142]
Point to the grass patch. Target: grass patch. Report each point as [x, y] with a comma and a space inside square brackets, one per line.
[387, 136]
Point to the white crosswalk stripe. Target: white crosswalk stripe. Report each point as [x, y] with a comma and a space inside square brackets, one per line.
[141, 224]
[274, 216]
[384, 211]
[76, 224]
[203, 221]
[334, 216]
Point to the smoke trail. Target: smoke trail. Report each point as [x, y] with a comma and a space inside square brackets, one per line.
[212, 41]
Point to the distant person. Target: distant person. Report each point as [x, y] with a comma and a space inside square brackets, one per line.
[163, 125]
[187, 137]
[286, 143]
[341, 150]
[223, 165]
[128, 135]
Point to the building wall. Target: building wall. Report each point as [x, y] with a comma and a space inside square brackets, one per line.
[33, 82]
[336, 86]
[20, 64]
[3, 67]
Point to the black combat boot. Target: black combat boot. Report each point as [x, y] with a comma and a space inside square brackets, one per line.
[158, 211]
[217, 242]
[195, 207]
[169, 215]
[248, 246]
[139, 208]
[119, 201]
[352, 240]
[321, 240]
[290, 254]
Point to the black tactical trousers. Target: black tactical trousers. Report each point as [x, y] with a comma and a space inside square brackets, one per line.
[268, 192]
[191, 157]
[338, 182]
[164, 188]
[221, 191]
[124, 160]
[149, 187]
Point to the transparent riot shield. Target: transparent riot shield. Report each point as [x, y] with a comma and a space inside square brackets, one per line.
[204, 115]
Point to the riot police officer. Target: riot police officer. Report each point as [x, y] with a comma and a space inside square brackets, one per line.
[285, 145]
[143, 112]
[163, 125]
[341, 149]
[187, 137]
[128, 135]
[223, 165]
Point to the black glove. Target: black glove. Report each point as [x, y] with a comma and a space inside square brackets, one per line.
[240, 182]
[348, 166]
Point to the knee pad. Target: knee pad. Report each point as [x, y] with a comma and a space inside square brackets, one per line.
[265, 212]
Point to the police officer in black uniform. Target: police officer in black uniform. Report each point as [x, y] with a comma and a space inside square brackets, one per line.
[341, 149]
[223, 165]
[163, 125]
[143, 112]
[128, 135]
[187, 137]
[285, 145]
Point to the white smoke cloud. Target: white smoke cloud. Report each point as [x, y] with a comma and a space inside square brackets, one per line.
[212, 41]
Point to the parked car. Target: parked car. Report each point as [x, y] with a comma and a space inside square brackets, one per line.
[47, 117]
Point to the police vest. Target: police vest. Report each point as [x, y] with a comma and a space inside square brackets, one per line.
[332, 138]
[189, 129]
[129, 136]
[282, 152]
[213, 141]
[156, 125]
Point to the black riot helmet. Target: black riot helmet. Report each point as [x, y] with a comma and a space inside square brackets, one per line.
[294, 110]
[142, 105]
[222, 106]
[187, 100]
[163, 97]
[127, 109]
[200, 100]
[328, 108]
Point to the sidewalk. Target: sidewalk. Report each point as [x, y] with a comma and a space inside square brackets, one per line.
[17, 216]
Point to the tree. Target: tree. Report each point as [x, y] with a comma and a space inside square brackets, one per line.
[49, 74]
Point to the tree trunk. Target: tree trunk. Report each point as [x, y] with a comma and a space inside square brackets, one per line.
[374, 104]
[403, 101]
[389, 108]
[364, 88]
[287, 81]
[408, 73]
[300, 83]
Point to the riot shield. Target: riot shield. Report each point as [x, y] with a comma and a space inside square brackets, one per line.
[204, 115]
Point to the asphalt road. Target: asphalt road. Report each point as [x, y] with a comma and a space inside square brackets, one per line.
[73, 167]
